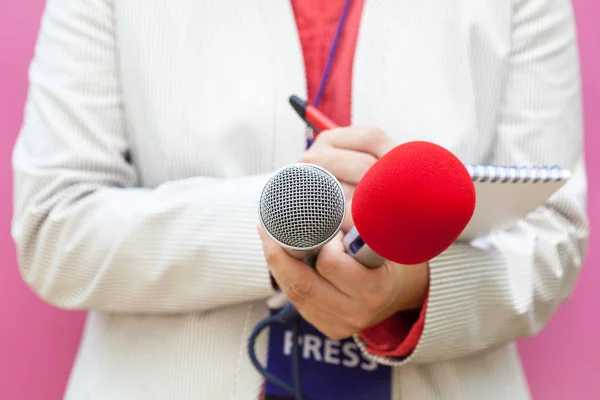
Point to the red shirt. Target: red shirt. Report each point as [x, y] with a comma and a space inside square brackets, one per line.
[317, 22]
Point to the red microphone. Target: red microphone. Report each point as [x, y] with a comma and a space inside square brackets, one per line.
[410, 206]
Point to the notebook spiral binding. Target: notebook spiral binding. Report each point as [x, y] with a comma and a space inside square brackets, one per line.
[515, 174]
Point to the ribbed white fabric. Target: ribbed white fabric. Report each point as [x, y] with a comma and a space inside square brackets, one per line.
[151, 126]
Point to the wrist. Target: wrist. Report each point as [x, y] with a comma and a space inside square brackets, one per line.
[413, 286]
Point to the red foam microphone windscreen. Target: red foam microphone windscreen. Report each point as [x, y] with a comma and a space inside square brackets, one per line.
[413, 203]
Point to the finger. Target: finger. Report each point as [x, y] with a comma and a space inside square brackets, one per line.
[300, 283]
[366, 139]
[329, 324]
[345, 273]
[348, 221]
[348, 166]
[348, 190]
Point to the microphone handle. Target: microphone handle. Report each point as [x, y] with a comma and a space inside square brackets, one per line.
[360, 251]
[309, 257]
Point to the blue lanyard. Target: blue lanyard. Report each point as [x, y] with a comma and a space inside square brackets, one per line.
[329, 64]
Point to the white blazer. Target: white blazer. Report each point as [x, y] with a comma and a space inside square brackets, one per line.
[151, 126]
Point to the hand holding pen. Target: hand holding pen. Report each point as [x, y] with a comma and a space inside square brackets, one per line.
[346, 152]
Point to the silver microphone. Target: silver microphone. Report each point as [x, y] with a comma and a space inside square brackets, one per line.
[302, 207]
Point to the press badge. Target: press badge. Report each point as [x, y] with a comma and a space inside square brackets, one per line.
[329, 369]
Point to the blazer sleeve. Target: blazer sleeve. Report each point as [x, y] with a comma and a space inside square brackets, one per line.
[87, 236]
[508, 284]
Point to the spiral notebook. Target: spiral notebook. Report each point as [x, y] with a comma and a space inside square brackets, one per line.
[505, 194]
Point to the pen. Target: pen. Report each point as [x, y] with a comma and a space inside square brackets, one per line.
[311, 115]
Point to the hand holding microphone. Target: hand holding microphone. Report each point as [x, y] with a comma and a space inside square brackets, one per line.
[341, 297]
[406, 211]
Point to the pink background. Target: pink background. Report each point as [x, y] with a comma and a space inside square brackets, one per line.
[38, 343]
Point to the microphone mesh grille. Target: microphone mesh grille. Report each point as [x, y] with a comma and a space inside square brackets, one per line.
[302, 206]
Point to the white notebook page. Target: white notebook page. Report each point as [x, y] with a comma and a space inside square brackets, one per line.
[506, 194]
